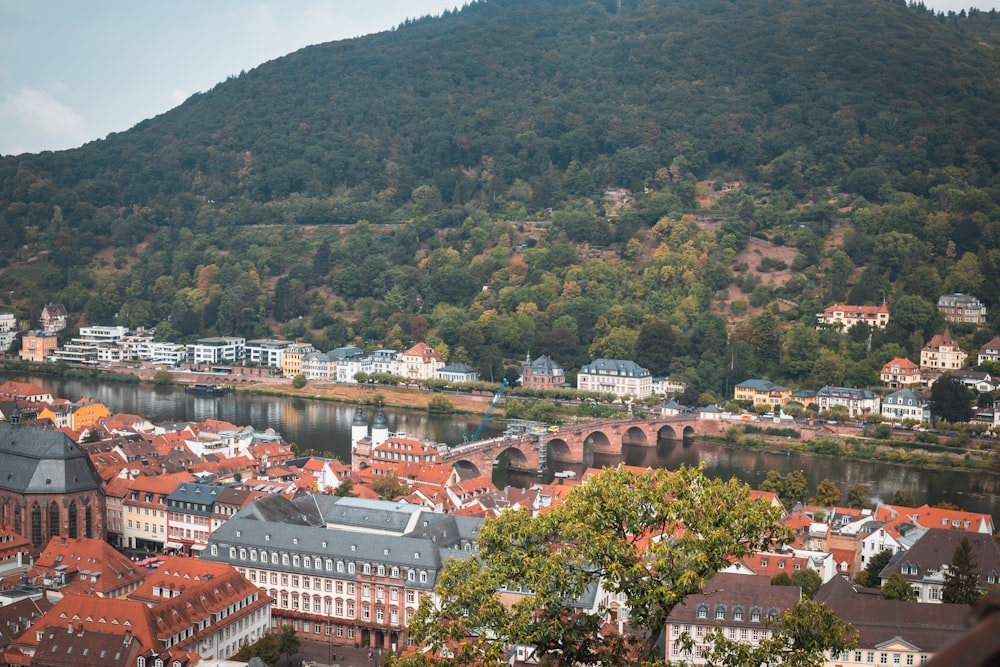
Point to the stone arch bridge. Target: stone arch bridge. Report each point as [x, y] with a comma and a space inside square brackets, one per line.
[578, 443]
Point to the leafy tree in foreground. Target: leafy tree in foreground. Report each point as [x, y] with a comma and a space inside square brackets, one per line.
[655, 537]
[961, 580]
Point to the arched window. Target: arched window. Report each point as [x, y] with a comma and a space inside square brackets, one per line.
[703, 611]
[88, 520]
[140, 662]
[755, 615]
[367, 569]
[720, 612]
[53, 519]
[36, 524]
[72, 519]
[737, 613]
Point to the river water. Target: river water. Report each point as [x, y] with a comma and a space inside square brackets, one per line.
[325, 427]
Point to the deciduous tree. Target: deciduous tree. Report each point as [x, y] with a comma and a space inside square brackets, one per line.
[654, 537]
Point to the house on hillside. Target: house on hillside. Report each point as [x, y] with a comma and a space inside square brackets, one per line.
[420, 362]
[906, 404]
[620, 377]
[839, 315]
[542, 373]
[859, 402]
[54, 318]
[941, 354]
[962, 308]
[900, 373]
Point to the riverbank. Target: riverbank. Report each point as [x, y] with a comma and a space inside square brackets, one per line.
[260, 382]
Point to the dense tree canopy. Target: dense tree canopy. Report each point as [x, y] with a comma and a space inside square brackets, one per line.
[655, 537]
[664, 200]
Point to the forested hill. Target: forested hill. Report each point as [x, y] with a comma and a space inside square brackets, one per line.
[375, 186]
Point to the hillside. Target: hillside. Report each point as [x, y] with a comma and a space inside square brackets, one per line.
[447, 181]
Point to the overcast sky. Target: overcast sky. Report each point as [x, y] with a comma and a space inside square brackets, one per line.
[76, 70]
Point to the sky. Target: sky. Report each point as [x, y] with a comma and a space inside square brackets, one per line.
[72, 71]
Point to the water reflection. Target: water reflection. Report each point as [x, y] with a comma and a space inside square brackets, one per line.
[326, 427]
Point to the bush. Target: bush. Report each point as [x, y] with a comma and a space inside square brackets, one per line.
[162, 377]
[439, 405]
[299, 381]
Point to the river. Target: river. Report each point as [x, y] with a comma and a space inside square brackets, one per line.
[325, 427]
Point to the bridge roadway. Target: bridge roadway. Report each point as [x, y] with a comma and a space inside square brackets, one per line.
[577, 443]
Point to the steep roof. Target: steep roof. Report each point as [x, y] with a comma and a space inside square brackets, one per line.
[39, 460]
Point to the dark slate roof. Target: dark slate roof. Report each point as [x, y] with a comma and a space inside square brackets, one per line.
[39, 460]
[619, 367]
[928, 627]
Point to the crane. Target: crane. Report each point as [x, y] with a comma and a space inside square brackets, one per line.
[489, 411]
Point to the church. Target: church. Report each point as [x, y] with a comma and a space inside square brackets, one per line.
[48, 486]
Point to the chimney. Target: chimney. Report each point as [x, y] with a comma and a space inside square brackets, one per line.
[70, 628]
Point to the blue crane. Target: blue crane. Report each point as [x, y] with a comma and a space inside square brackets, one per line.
[489, 411]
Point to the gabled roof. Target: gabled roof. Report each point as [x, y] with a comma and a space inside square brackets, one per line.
[927, 627]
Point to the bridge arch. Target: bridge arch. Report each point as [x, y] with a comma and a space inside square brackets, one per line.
[635, 436]
[559, 450]
[515, 458]
[668, 432]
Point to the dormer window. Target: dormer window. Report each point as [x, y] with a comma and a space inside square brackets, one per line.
[720, 612]
[737, 613]
[703, 611]
[755, 615]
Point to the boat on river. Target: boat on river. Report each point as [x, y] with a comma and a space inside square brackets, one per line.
[208, 389]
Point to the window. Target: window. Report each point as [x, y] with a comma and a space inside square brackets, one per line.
[883, 658]
[737, 613]
[703, 611]
[720, 613]
[755, 615]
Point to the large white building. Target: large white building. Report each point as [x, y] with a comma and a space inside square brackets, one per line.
[217, 350]
[626, 379]
[269, 352]
[342, 570]
[906, 404]
[8, 330]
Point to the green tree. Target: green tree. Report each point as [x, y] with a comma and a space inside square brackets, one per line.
[345, 489]
[903, 498]
[299, 381]
[161, 378]
[288, 642]
[950, 400]
[898, 588]
[266, 648]
[874, 567]
[603, 530]
[808, 580]
[858, 496]
[827, 494]
[655, 346]
[390, 486]
[439, 405]
[961, 579]
[795, 487]
[802, 349]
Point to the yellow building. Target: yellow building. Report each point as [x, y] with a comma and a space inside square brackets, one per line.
[291, 360]
[762, 391]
